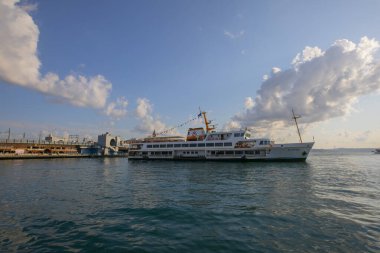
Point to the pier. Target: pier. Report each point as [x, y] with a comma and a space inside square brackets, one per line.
[43, 149]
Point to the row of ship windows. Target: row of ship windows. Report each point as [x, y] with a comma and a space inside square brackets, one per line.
[186, 145]
[249, 152]
[158, 153]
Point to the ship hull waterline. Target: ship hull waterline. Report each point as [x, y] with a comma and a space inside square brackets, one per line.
[221, 160]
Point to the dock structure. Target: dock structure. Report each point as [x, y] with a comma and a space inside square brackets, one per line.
[16, 149]
[48, 148]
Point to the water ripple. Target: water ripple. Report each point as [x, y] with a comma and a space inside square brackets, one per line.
[329, 204]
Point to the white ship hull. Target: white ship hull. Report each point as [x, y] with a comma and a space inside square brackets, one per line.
[276, 152]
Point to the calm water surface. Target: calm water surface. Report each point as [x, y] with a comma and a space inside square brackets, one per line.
[331, 203]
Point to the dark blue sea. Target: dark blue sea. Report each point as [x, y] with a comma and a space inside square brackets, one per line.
[331, 203]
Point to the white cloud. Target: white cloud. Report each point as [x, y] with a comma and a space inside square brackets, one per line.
[233, 36]
[118, 109]
[319, 85]
[308, 54]
[148, 123]
[275, 70]
[20, 65]
[144, 108]
[249, 103]
[77, 90]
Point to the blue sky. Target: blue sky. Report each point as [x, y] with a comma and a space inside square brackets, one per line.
[164, 59]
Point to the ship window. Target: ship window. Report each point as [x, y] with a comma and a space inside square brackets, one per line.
[149, 146]
[170, 153]
[257, 152]
[209, 144]
[236, 134]
[177, 145]
[249, 152]
[144, 153]
[163, 146]
[193, 145]
[238, 152]
[185, 145]
[169, 145]
[155, 146]
[261, 142]
[201, 144]
[213, 152]
[241, 134]
[229, 152]
[219, 144]
[228, 144]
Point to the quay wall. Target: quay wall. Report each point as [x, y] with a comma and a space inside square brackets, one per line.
[47, 156]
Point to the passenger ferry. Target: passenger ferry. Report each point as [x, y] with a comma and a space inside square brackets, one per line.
[220, 146]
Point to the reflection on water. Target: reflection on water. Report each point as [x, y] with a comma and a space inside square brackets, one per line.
[330, 203]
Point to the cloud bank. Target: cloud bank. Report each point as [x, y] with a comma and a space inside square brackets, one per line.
[20, 65]
[319, 85]
[148, 123]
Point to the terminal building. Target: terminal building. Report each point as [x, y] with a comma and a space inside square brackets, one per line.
[108, 144]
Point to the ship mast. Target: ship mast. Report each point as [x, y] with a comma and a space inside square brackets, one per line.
[207, 123]
[295, 120]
